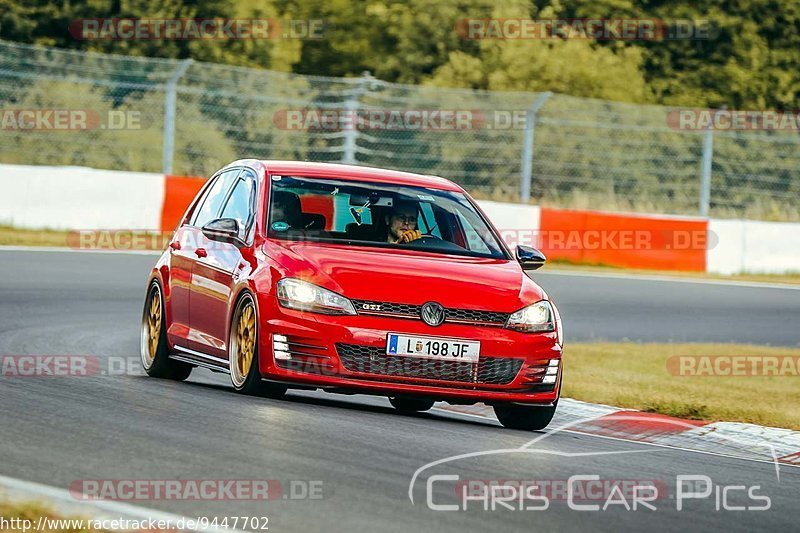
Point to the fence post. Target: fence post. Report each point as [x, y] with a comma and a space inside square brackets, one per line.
[527, 147]
[705, 171]
[170, 94]
[350, 121]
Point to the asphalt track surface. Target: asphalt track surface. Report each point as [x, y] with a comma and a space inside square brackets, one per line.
[363, 455]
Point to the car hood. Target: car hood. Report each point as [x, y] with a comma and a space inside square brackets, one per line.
[407, 276]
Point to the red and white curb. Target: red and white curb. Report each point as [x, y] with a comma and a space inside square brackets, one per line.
[747, 441]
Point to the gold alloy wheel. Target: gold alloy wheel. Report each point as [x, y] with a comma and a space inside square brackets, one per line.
[154, 322]
[151, 327]
[245, 341]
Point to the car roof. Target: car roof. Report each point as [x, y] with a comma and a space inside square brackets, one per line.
[358, 173]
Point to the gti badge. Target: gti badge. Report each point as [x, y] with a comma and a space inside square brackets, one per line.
[432, 314]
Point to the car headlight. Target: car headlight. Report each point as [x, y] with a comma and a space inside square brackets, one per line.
[304, 296]
[536, 318]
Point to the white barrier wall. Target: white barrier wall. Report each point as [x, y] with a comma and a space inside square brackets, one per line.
[41, 197]
[753, 246]
[726, 252]
[517, 217]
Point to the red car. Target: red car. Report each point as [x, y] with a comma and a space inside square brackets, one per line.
[353, 280]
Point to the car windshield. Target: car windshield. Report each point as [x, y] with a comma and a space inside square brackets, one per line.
[379, 215]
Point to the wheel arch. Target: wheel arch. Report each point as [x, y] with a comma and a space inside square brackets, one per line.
[245, 289]
[157, 275]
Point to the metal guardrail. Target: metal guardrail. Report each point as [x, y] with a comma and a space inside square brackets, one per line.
[190, 118]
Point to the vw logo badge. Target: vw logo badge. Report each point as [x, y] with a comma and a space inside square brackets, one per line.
[432, 314]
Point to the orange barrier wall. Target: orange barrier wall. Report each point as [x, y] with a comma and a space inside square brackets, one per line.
[179, 191]
[319, 205]
[624, 240]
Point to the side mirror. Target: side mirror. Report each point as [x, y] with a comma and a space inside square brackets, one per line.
[223, 230]
[530, 258]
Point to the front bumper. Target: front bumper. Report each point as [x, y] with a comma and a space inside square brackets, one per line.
[347, 354]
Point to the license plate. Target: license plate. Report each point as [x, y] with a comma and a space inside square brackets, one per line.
[433, 347]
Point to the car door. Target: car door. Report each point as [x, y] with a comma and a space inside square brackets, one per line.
[216, 273]
[186, 249]
[182, 250]
[181, 262]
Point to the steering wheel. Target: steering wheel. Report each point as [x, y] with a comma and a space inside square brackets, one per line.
[434, 242]
[424, 237]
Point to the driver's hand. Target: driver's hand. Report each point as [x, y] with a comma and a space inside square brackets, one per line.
[409, 235]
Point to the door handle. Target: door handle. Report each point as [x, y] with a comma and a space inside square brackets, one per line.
[201, 252]
[175, 245]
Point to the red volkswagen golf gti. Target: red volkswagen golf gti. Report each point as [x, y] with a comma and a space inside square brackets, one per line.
[353, 280]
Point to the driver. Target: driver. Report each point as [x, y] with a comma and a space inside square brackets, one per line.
[402, 223]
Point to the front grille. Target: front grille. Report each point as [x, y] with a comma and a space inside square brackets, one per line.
[373, 360]
[459, 316]
[367, 307]
[467, 315]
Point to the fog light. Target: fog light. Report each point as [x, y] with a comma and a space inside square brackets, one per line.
[554, 363]
[282, 355]
[280, 347]
[552, 370]
[549, 380]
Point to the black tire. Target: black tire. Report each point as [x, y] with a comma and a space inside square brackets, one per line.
[155, 355]
[525, 417]
[411, 405]
[251, 383]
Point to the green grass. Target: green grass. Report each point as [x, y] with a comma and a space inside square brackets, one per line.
[10, 236]
[95, 239]
[32, 511]
[636, 376]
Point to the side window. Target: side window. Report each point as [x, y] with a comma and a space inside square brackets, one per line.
[212, 203]
[240, 203]
[474, 239]
[427, 220]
